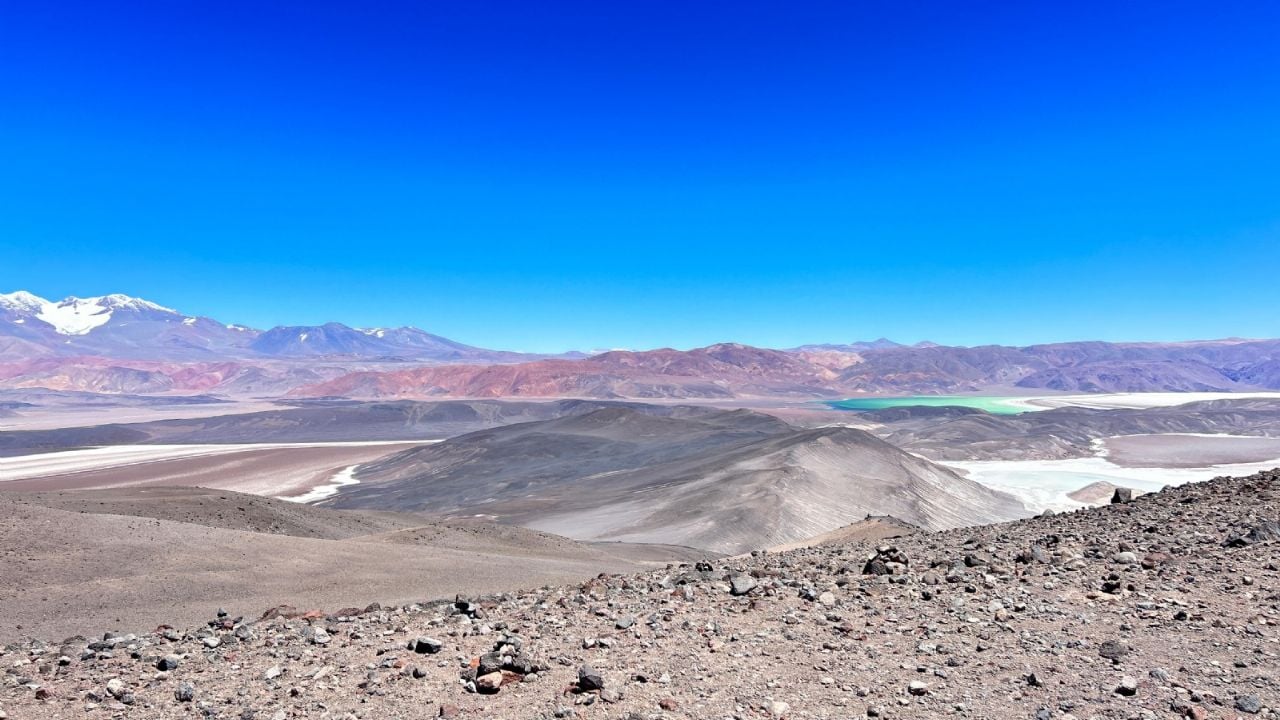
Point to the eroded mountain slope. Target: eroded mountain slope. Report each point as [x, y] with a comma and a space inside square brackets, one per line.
[720, 480]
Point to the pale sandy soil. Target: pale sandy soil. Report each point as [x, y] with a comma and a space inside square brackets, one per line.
[873, 529]
[275, 470]
[133, 558]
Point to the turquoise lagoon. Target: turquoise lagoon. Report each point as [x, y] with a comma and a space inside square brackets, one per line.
[993, 404]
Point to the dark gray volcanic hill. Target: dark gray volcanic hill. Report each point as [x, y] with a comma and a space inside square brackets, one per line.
[969, 434]
[312, 421]
[44, 397]
[727, 481]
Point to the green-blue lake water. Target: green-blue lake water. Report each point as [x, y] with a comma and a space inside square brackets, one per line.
[993, 404]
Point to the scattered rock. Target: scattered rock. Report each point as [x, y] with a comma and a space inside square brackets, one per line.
[1113, 650]
[489, 683]
[425, 645]
[1121, 495]
[1266, 531]
[1128, 686]
[185, 692]
[1008, 622]
[589, 679]
[1248, 704]
[888, 560]
[742, 584]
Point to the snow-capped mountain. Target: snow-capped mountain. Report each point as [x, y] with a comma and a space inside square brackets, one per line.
[113, 326]
[120, 326]
[78, 316]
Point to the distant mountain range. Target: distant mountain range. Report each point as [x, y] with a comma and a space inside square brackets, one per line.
[730, 370]
[860, 346]
[718, 371]
[121, 344]
[123, 327]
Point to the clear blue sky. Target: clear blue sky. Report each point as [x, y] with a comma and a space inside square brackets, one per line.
[541, 176]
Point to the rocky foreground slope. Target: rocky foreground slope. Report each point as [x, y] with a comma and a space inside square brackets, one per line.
[1166, 606]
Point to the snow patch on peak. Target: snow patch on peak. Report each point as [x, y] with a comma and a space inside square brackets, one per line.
[374, 332]
[189, 321]
[116, 301]
[75, 316]
[22, 301]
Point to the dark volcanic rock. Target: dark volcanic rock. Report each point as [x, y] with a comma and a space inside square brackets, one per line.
[589, 679]
[426, 645]
[1266, 531]
[1122, 495]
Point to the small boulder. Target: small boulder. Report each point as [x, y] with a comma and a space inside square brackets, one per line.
[489, 683]
[1128, 686]
[888, 560]
[1113, 650]
[589, 679]
[742, 584]
[425, 646]
[1266, 531]
[1250, 704]
[489, 663]
[186, 692]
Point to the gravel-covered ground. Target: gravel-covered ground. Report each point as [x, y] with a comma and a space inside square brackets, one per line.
[1166, 606]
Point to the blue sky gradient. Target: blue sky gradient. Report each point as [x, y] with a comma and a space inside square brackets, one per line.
[543, 176]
